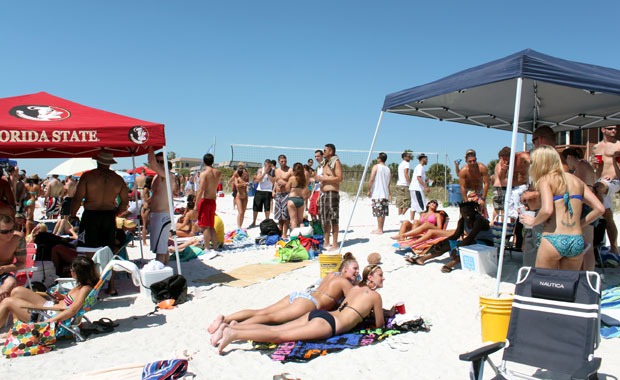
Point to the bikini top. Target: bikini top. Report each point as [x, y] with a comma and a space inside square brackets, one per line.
[346, 304]
[430, 219]
[567, 198]
[68, 300]
[338, 302]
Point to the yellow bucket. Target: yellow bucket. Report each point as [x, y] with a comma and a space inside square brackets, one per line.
[329, 263]
[494, 318]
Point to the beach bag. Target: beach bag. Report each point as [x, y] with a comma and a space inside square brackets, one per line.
[316, 226]
[293, 251]
[309, 243]
[29, 339]
[174, 287]
[272, 239]
[269, 227]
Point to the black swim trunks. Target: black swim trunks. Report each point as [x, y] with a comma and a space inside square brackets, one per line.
[324, 315]
[97, 228]
[65, 208]
[262, 201]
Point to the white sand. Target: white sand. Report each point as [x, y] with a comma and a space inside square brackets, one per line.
[448, 301]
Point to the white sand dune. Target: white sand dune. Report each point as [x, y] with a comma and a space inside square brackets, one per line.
[447, 301]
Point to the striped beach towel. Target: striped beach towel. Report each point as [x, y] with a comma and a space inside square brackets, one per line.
[165, 370]
[610, 313]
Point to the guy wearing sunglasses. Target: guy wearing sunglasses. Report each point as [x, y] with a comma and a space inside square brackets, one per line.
[12, 248]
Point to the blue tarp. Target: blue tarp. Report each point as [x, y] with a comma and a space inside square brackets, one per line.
[563, 94]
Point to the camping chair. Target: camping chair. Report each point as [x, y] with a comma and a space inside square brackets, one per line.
[24, 276]
[496, 230]
[554, 325]
[422, 247]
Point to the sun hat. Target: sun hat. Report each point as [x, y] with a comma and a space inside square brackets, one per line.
[105, 158]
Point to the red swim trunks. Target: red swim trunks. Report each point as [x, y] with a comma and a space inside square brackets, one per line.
[313, 208]
[206, 212]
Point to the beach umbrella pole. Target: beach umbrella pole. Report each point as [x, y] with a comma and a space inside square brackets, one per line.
[171, 207]
[511, 167]
[359, 189]
[133, 164]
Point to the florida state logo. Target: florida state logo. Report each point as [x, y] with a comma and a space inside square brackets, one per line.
[138, 135]
[39, 113]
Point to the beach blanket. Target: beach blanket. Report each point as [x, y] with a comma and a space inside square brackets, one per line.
[251, 274]
[419, 248]
[610, 313]
[304, 351]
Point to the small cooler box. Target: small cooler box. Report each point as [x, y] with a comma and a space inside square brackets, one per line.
[479, 258]
[151, 277]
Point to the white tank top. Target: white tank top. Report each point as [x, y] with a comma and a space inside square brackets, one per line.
[380, 186]
[264, 184]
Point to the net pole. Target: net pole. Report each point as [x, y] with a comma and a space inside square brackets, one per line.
[359, 189]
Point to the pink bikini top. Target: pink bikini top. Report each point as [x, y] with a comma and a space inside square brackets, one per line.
[430, 219]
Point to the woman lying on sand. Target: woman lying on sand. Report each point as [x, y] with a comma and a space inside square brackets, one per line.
[431, 219]
[82, 270]
[361, 301]
[334, 287]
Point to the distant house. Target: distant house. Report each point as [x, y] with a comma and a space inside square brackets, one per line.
[181, 163]
[235, 164]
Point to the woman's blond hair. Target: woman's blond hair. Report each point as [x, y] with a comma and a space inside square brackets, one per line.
[546, 162]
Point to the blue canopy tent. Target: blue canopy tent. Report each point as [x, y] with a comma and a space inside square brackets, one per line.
[518, 93]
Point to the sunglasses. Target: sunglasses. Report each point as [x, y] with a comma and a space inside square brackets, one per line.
[160, 161]
[4, 232]
[610, 128]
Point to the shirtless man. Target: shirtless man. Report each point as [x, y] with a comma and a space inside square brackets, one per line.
[606, 174]
[206, 195]
[584, 171]
[500, 179]
[99, 189]
[141, 180]
[474, 182]
[65, 210]
[159, 217]
[12, 248]
[280, 199]
[53, 193]
[7, 199]
[329, 201]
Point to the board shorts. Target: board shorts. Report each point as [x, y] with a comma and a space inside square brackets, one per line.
[97, 229]
[262, 201]
[160, 230]
[403, 197]
[329, 208]
[52, 209]
[380, 207]
[499, 195]
[313, 207]
[206, 212]
[65, 208]
[418, 201]
[280, 211]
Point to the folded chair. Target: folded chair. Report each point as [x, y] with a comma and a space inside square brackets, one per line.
[554, 325]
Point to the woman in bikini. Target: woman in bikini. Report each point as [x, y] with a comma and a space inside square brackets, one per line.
[431, 219]
[562, 195]
[187, 226]
[241, 199]
[326, 297]
[296, 185]
[82, 270]
[361, 301]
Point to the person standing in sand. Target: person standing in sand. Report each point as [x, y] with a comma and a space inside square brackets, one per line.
[313, 207]
[474, 182]
[329, 201]
[403, 196]
[264, 177]
[65, 209]
[159, 216]
[418, 187]
[99, 189]
[141, 180]
[53, 192]
[206, 195]
[500, 179]
[241, 199]
[280, 199]
[379, 192]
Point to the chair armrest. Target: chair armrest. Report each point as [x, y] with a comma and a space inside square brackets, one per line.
[481, 352]
[33, 308]
[587, 370]
[24, 270]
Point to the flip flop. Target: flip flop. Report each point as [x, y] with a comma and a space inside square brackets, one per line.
[96, 329]
[106, 322]
[446, 269]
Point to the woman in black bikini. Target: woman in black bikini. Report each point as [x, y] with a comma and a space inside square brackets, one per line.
[361, 301]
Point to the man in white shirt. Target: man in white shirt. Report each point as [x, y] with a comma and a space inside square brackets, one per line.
[379, 192]
[418, 186]
[403, 196]
[262, 199]
[313, 208]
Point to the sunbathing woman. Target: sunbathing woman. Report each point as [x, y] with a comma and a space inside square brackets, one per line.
[332, 289]
[562, 196]
[82, 270]
[186, 225]
[296, 185]
[429, 220]
[361, 301]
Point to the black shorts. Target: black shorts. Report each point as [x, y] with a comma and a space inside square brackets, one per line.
[97, 228]
[262, 201]
[65, 208]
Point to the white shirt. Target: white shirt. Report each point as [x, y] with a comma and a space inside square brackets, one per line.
[418, 172]
[319, 171]
[402, 180]
[264, 184]
[380, 186]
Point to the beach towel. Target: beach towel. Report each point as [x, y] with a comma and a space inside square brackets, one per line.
[419, 248]
[610, 313]
[304, 351]
[251, 274]
[165, 370]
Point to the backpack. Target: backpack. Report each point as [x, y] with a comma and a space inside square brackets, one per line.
[269, 227]
[174, 287]
[293, 251]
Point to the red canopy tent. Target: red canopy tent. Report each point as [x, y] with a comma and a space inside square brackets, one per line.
[147, 171]
[45, 126]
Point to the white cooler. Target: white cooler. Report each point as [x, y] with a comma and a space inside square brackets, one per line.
[151, 277]
[479, 258]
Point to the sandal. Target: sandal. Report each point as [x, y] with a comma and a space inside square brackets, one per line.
[96, 329]
[106, 322]
[446, 269]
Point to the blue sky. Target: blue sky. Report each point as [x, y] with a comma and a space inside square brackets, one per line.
[283, 72]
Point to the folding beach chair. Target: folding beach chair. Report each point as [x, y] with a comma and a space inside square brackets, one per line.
[24, 276]
[554, 325]
[424, 246]
[496, 230]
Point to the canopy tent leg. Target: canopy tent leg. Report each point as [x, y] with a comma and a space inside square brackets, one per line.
[171, 209]
[359, 189]
[511, 167]
[133, 164]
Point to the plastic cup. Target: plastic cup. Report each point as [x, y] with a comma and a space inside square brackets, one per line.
[400, 308]
[599, 157]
